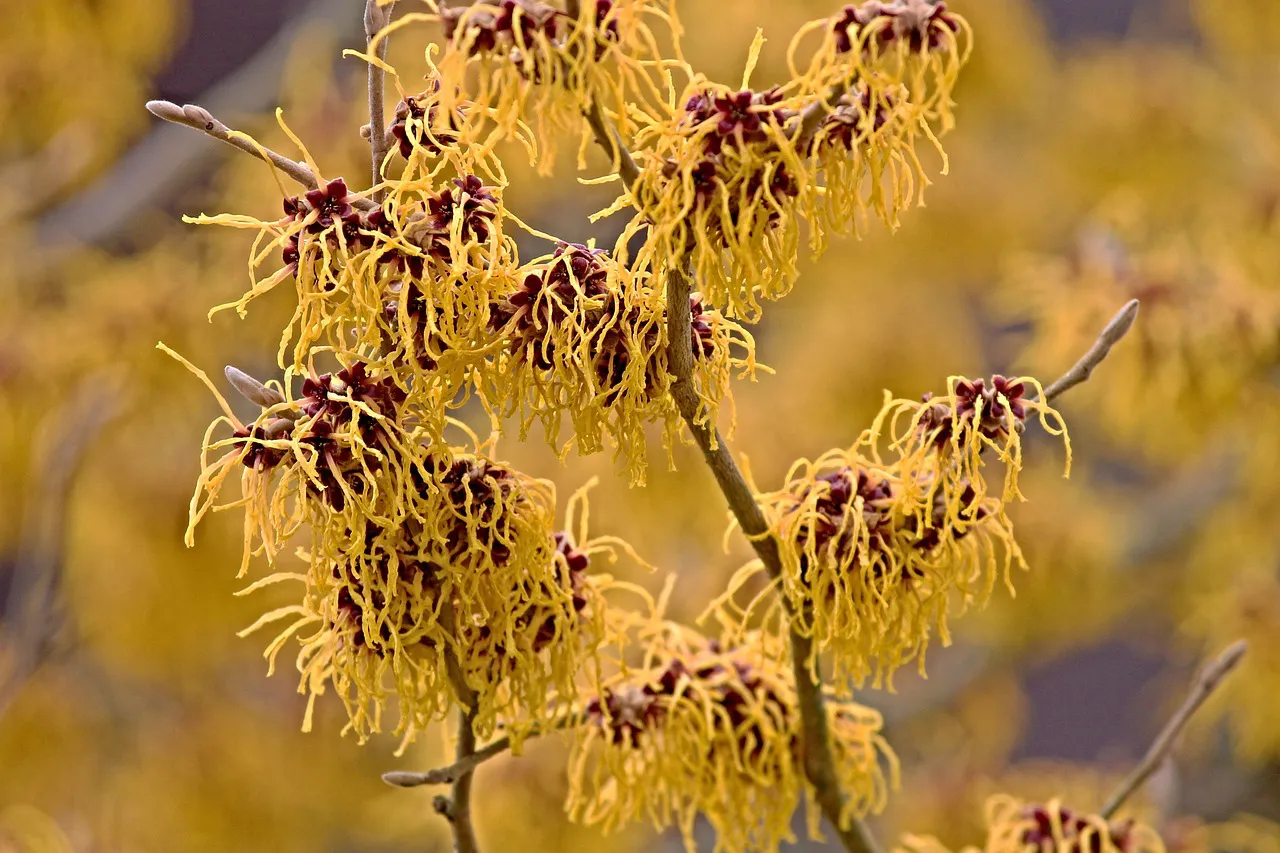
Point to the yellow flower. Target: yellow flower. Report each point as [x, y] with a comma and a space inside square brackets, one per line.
[712, 731]
[722, 181]
[528, 59]
[865, 151]
[409, 284]
[911, 48]
[1015, 826]
[496, 606]
[434, 573]
[876, 552]
[587, 340]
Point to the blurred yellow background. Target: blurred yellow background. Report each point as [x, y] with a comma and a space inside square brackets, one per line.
[1103, 151]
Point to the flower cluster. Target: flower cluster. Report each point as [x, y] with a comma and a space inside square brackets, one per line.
[722, 183]
[549, 66]
[433, 572]
[588, 340]
[703, 729]
[410, 282]
[878, 546]
[728, 173]
[913, 47]
[1014, 826]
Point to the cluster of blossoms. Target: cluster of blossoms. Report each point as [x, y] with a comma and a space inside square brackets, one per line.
[727, 173]
[433, 573]
[588, 340]
[436, 577]
[703, 728]
[1015, 826]
[879, 544]
[409, 283]
[529, 60]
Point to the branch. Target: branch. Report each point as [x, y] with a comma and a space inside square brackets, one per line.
[164, 162]
[1207, 681]
[376, 18]
[611, 141]
[202, 120]
[819, 763]
[448, 775]
[457, 808]
[451, 774]
[1083, 369]
[812, 116]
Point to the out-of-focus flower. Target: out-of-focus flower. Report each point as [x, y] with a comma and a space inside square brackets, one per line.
[24, 829]
[1210, 308]
[1016, 826]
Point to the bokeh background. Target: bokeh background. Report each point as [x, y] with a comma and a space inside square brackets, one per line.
[1105, 150]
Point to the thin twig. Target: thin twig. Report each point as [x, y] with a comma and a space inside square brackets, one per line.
[448, 775]
[164, 162]
[607, 135]
[459, 813]
[1083, 369]
[202, 120]
[376, 18]
[457, 808]
[1207, 681]
[819, 762]
[451, 774]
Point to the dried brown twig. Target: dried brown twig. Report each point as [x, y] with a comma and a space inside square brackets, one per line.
[1207, 681]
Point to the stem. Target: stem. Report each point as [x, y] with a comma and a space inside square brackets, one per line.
[459, 812]
[1083, 369]
[202, 120]
[819, 762]
[1207, 681]
[812, 116]
[376, 18]
[611, 142]
[448, 775]
[457, 808]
